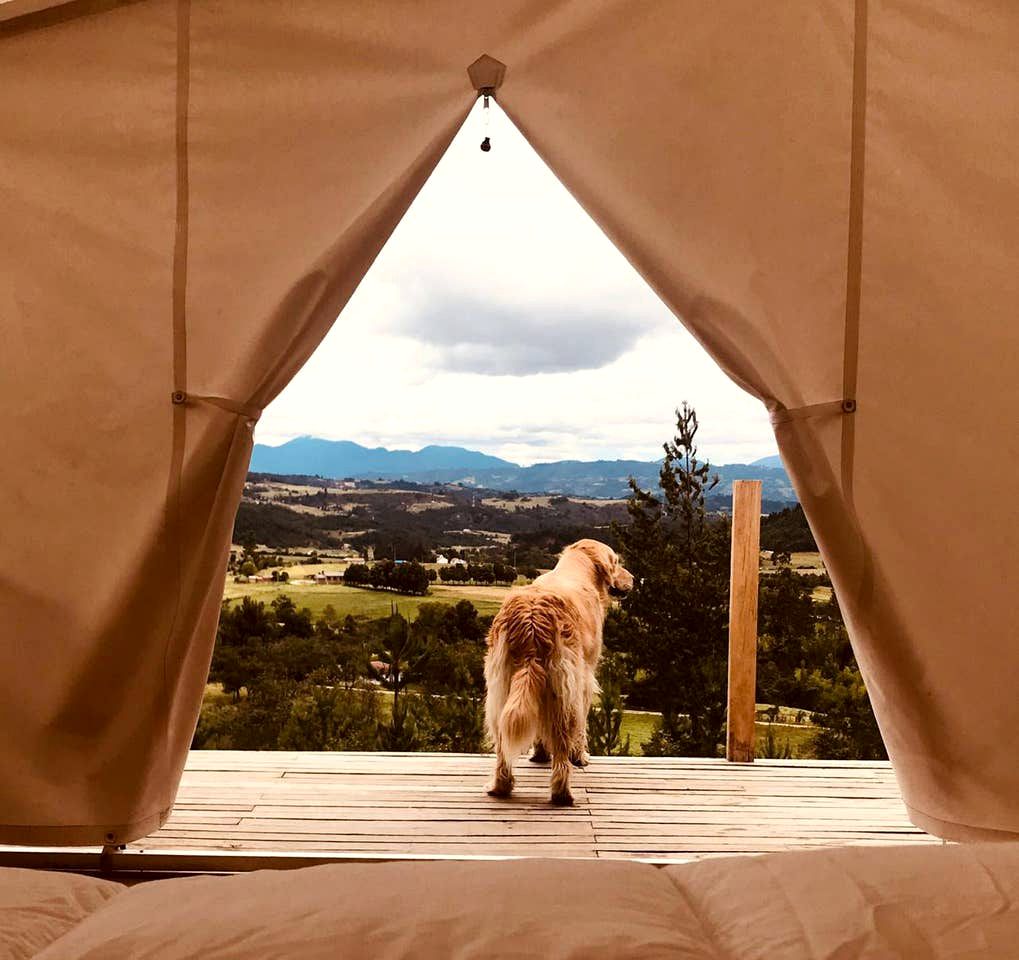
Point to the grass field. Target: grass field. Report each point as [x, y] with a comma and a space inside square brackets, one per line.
[373, 603]
[808, 562]
[365, 603]
[640, 727]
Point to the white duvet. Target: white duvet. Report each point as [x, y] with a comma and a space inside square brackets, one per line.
[925, 903]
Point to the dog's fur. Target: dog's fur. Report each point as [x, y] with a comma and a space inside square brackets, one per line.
[543, 651]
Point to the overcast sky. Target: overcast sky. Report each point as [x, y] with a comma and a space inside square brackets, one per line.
[499, 317]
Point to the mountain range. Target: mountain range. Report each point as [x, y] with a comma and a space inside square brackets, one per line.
[313, 456]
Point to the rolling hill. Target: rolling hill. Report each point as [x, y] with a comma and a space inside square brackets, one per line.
[446, 464]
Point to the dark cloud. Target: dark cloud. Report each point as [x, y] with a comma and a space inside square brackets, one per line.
[474, 337]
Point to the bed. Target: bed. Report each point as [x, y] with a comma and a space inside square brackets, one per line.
[853, 903]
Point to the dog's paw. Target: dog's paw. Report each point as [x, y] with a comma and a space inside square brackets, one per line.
[499, 789]
[564, 799]
[540, 755]
[581, 759]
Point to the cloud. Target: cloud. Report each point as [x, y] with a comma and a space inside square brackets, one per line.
[500, 318]
[467, 335]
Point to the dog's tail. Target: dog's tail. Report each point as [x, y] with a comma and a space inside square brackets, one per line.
[528, 656]
[518, 722]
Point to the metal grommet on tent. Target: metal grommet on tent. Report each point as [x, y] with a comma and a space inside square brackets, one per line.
[849, 405]
[178, 396]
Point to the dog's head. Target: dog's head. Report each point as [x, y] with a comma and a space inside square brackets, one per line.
[610, 574]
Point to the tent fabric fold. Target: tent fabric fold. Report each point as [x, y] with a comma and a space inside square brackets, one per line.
[825, 193]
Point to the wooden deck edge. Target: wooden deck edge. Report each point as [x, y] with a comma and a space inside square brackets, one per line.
[164, 864]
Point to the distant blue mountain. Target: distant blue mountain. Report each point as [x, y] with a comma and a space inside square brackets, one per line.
[312, 456]
[343, 458]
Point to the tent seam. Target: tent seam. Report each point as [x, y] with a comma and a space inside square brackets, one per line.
[246, 410]
[854, 253]
[174, 505]
[162, 815]
[180, 249]
[826, 408]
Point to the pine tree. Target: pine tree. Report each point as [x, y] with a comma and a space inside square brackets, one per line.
[675, 620]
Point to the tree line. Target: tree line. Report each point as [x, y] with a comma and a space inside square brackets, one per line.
[410, 578]
[478, 573]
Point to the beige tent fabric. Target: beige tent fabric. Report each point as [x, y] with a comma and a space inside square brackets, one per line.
[190, 192]
[9, 9]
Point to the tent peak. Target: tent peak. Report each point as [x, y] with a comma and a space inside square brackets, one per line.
[486, 73]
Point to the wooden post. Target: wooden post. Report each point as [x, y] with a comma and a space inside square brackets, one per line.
[743, 582]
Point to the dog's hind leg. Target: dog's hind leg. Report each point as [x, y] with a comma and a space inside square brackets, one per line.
[498, 673]
[540, 754]
[502, 782]
[561, 743]
[561, 795]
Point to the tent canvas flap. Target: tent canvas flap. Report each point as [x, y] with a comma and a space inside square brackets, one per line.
[191, 193]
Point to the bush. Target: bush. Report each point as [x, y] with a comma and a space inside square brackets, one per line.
[332, 718]
[449, 723]
[606, 718]
[771, 749]
[848, 728]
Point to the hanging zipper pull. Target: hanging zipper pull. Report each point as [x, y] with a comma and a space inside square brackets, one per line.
[486, 144]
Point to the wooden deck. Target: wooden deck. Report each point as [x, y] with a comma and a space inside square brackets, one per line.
[424, 805]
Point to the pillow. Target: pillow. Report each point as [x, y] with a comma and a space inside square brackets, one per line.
[553, 909]
[38, 907]
[860, 903]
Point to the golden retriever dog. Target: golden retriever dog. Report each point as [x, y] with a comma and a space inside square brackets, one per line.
[543, 651]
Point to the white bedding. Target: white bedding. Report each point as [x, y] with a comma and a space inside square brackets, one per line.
[38, 908]
[919, 903]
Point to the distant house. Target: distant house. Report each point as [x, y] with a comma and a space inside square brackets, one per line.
[458, 562]
[382, 669]
[328, 576]
[441, 560]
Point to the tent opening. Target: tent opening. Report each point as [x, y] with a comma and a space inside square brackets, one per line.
[501, 327]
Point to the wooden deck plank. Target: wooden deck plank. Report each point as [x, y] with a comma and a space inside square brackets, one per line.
[382, 804]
